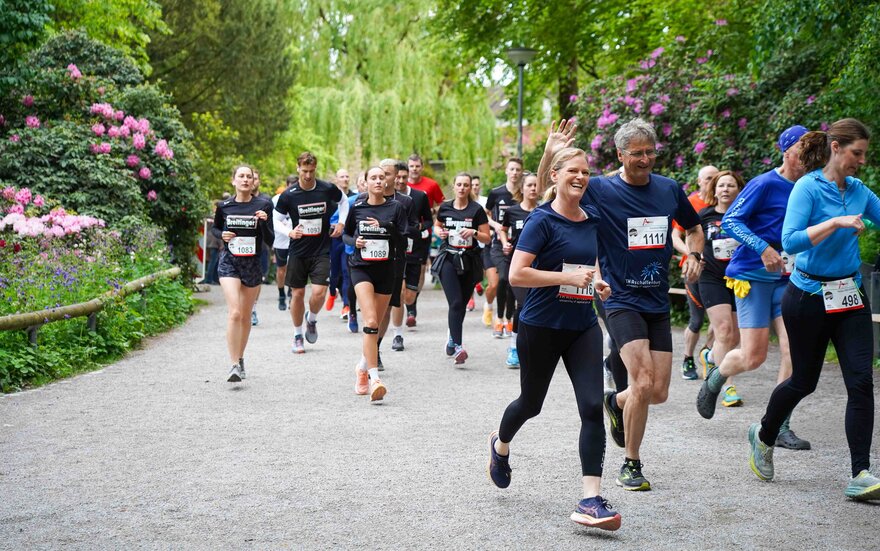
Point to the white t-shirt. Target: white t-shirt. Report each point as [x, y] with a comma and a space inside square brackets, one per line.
[282, 241]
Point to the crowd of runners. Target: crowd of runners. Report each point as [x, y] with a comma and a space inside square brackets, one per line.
[559, 249]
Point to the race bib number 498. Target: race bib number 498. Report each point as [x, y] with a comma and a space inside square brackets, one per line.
[841, 295]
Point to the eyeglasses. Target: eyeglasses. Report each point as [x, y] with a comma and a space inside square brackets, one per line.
[649, 153]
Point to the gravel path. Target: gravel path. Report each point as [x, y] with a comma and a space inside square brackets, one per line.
[158, 451]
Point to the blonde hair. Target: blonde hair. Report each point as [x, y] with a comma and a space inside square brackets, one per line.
[550, 194]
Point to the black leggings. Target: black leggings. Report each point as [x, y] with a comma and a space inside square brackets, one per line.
[519, 293]
[540, 349]
[504, 298]
[458, 290]
[809, 330]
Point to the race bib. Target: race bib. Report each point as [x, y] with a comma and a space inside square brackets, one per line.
[789, 262]
[243, 246]
[409, 245]
[311, 226]
[722, 249]
[571, 292]
[459, 242]
[841, 295]
[648, 232]
[376, 249]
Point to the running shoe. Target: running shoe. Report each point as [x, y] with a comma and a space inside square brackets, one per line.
[863, 487]
[242, 373]
[344, 315]
[631, 477]
[362, 383]
[352, 322]
[508, 328]
[331, 301]
[689, 369]
[397, 343]
[704, 361]
[615, 420]
[487, 315]
[460, 355]
[471, 304]
[731, 399]
[596, 512]
[234, 374]
[450, 347]
[312, 331]
[379, 365]
[707, 400]
[789, 440]
[479, 288]
[298, 345]
[498, 332]
[411, 320]
[254, 319]
[499, 466]
[282, 303]
[512, 358]
[608, 376]
[760, 454]
[377, 390]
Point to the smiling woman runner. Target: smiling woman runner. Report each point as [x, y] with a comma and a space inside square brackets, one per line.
[460, 223]
[556, 258]
[245, 230]
[373, 227]
[825, 300]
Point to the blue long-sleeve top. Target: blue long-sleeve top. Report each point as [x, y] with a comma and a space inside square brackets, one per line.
[814, 200]
[755, 220]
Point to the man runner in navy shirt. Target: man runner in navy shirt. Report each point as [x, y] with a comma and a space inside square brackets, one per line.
[637, 208]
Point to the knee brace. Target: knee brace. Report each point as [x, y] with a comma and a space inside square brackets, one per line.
[371, 330]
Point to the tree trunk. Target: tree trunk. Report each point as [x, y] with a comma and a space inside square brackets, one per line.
[568, 87]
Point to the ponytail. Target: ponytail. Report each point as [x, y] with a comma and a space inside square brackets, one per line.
[816, 146]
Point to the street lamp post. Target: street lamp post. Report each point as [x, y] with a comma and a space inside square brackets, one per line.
[520, 57]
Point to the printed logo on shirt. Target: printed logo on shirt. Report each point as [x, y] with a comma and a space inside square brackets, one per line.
[311, 210]
[365, 229]
[651, 276]
[240, 222]
[459, 224]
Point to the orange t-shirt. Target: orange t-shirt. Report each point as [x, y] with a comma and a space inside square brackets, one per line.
[698, 204]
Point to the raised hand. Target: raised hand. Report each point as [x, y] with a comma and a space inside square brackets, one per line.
[561, 137]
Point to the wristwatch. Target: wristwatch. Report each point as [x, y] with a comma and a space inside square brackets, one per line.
[698, 256]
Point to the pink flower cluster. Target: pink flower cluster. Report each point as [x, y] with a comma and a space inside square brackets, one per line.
[607, 118]
[32, 121]
[74, 71]
[102, 148]
[163, 150]
[57, 223]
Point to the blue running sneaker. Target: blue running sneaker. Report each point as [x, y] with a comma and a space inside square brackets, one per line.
[689, 369]
[731, 399]
[450, 347]
[512, 358]
[498, 468]
[596, 512]
[863, 487]
[352, 322]
[312, 331]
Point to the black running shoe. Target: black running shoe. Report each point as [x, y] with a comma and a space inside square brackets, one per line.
[397, 343]
[789, 440]
[615, 420]
[631, 477]
[707, 399]
[499, 467]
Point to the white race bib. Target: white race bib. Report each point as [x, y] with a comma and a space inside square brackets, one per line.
[409, 245]
[570, 291]
[722, 249]
[376, 249]
[311, 226]
[243, 246]
[459, 242]
[648, 232]
[841, 295]
[789, 262]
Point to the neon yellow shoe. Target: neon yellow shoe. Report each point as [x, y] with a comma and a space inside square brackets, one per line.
[487, 315]
[731, 399]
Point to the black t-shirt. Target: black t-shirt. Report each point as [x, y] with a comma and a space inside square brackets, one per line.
[514, 220]
[497, 203]
[382, 239]
[250, 232]
[310, 209]
[719, 245]
[399, 245]
[472, 216]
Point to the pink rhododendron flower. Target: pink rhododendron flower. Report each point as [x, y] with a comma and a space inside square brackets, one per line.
[699, 147]
[39, 201]
[709, 53]
[631, 85]
[145, 173]
[124, 131]
[138, 141]
[732, 92]
[680, 39]
[132, 161]
[32, 122]
[647, 64]
[101, 148]
[16, 209]
[119, 115]
[9, 193]
[98, 129]
[74, 71]
[679, 161]
[810, 100]
[572, 98]
[766, 160]
[596, 144]
[637, 107]
[27, 100]
[721, 22]
[658, 52]
[629, 100]
[14, 138]
[151, 195]
[101, 90]
[664, 98]
[163, 150]
[742, 123]
[824, 126]
[659, 146]
[657, 109]
[666, 129]
[607, 118]
[131, 122]
[701, 60]
[113, 132]
[2, 120]
[726, 113]
[23, 197]
[143, 125]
